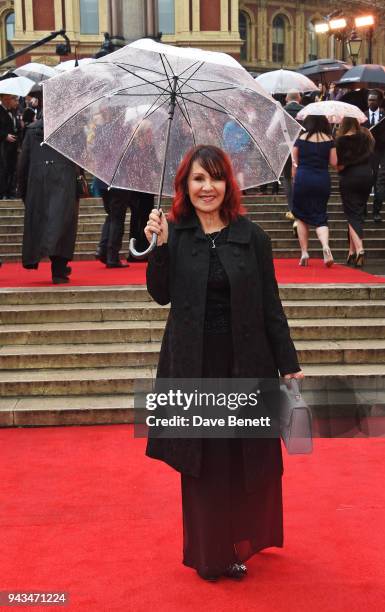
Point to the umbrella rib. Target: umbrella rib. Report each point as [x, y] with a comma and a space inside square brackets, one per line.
[188, 68]
[188, 119]
[209, 90]
[163, 56]
[218, 110]
[142, 78]
[120, 64]
[165, 72]
[191, 75]
[243, 127]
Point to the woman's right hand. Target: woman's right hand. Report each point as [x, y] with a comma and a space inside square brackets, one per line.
[157, 224]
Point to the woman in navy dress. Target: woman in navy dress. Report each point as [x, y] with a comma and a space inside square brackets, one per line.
[313, 152]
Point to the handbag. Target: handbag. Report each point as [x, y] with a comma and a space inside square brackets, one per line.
[295, 419]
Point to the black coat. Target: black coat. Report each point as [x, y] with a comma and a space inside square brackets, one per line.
[47, 184]
[177, 273]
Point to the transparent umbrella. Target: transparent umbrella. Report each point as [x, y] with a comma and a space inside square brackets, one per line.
[282, 81]
[130, 117]
[334, 111]
[35, 71]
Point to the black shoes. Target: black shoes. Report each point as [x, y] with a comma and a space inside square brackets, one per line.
[236, 571]
[117, 264]
[100, 256]
[60, 280]
[351, 259]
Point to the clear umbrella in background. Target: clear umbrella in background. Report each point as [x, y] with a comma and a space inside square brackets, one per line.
[35, 71]
[282, 81]
[130, 117]
[333, 110]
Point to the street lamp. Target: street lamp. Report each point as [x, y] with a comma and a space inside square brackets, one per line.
[354, 46]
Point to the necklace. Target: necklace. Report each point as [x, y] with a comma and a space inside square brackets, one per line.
[212, 240]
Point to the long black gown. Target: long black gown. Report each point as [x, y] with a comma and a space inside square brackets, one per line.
[222, 523]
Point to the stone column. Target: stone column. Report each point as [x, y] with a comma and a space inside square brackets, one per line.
[263, 38]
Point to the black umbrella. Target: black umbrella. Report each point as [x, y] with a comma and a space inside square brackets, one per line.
[324, 70]
[365, 75]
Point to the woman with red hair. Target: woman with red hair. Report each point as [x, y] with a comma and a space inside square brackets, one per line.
[226, 321]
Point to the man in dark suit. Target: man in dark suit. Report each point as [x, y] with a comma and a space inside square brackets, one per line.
[9, 128]
[293, 106]
[375, 114]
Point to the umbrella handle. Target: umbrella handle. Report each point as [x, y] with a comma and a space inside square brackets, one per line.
[150, 248]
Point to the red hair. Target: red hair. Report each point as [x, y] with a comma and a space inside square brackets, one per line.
[219, 166]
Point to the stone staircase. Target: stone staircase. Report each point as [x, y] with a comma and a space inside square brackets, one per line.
[269, 211]
[72, 355]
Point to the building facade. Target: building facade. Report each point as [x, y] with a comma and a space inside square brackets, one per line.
[262, 34]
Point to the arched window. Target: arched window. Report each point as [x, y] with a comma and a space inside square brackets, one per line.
[279, 39]
[312, 42]
[244, 25]
[9, 32]
[89, 16]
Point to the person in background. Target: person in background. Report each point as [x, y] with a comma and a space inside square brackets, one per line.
[9, 142]
[28, 117]
[375, 114]
[355, 146]
[47, 184]
[293, 106]
[208, 257]
[115, 202]
[312, 153]
[333, 93]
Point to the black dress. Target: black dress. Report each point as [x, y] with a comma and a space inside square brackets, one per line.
[222, 522]
[356, 179]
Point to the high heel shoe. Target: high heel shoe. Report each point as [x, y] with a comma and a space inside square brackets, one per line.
[351, 259]
[304, 259]
[328, 257]
[360, 259]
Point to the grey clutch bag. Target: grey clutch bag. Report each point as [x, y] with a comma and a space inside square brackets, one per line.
[295, 419]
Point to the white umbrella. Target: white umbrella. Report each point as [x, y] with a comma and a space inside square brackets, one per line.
[282, 81]
[70, 64]
[334, 111]
[36, 71]
[17, 86]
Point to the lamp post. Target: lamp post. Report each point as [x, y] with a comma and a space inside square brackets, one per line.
[354, 46]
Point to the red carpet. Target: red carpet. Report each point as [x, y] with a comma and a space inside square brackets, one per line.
[82, 510]
[93, 273]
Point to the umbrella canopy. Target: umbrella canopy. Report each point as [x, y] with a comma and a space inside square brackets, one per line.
[36, 72]
[365, 75]
[324, 70]
[112, 116]
[282, 81]
[333, 110]
[17, 86]
[70, 64]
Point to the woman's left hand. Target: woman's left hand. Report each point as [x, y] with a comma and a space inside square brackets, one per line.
[297, 375]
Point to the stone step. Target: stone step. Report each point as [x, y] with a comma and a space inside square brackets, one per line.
[57, 296]
[59, 356]
[51, 313]
[82, 333]
[149, 311]
[72, 382]
[115, 405]
[341, 351]
[152, 331]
